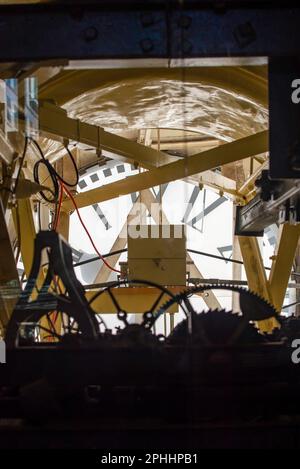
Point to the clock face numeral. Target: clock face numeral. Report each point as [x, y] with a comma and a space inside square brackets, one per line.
[272, 233]
[191, 203]
[77, 255]
[134, 196]
[206, 210]
[161, 191]
[102, 217]
[227, 249]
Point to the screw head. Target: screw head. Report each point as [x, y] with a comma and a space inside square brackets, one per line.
[186, 47]
[184, 22]
[147, 19]
[245, 34]
[91, 33]
[147, 45]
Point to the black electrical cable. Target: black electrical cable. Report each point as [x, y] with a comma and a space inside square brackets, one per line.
[291, 304]
[94, 259]
[200, 253]
[226, 259]
[55, 177]
[55, 192]
[66, 183]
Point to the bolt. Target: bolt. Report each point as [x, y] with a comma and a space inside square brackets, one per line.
[186, 47]
[147, 45]
[147, 19]
[184, 22]
[90, 34]
[245, 34]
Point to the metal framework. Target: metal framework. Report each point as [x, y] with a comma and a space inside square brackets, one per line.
[227, 153]
[164, 35]
[149, 29]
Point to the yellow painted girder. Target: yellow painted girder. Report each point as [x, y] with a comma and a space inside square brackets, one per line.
[7, 152]
[274, 288]
[256, 275]
[223, 154]
[9, 278]
[24, 225]
[135, 300]
[25, 229]
[254, 267]
[55, 122]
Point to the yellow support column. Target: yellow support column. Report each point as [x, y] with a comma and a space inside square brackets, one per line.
[63, 225]
[25, 229]
[254, 267]
[256, 274]
[282, 263]
[9, 279]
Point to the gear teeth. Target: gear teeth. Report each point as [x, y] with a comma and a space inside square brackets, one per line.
[215, 327]
[216, 286]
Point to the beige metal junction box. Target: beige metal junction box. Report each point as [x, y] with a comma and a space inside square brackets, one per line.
[157, 253]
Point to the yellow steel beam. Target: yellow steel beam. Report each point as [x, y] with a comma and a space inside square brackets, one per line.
[256, 275]
[217, 182]
[227, 153]
[9, 278]
[254, 267]
[25, 228]
[7, 152]
[273, 289]
[135, 300]
[55, 122]
[282, 263]
[65, 169]
[249, 185]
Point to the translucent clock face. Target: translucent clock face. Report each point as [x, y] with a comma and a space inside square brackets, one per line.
[206, 215]
[142, 102]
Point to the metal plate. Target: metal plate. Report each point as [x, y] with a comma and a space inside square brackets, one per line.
[98, 32]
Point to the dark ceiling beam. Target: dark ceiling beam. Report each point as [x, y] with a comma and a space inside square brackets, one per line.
[107, 31]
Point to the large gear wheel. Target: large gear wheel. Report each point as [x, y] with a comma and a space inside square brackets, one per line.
[221, 327]
[217, 327]
[119, 307]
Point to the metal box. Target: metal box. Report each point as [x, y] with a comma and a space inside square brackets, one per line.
[157, 253]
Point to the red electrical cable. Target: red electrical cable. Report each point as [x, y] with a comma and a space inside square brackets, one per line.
[63, 188]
